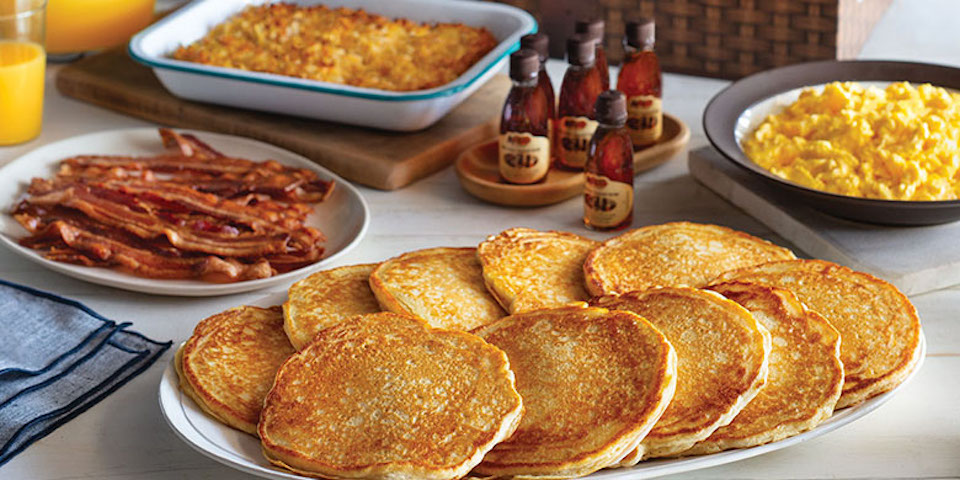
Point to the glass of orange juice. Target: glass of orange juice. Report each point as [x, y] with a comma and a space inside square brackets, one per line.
[75, 26]
[22, 64]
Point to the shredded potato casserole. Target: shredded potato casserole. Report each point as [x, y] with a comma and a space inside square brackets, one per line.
[341, 45]
[898, 143]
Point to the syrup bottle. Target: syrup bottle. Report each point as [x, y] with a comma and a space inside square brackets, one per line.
[608, 190]
[540, 43]
[524, 143]
[595, 29]
[578, 95]
[640, 80]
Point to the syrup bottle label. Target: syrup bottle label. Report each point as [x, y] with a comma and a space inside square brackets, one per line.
[524, 158]
[644, 119]
[573, 139]
[607, 202]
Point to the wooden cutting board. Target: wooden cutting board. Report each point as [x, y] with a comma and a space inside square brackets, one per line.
[376, 158]
[915, 259]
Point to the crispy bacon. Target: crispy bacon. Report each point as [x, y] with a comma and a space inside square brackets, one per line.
[189, 145]
[199, 166]
[98, 250]
[198, 214]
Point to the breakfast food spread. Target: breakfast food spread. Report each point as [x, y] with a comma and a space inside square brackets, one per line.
[325, 299]
[798, 395]
[722, 354]
[386, 396]
[588, 398]
[529, 270]
[647, 373]
[879, 327]
[341, 45]
[443, 286]
[229, 363]
[897, 143]
[672, 255]
[192, 213]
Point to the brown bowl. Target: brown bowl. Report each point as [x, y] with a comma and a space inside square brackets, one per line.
[727, 107]
[479, 173]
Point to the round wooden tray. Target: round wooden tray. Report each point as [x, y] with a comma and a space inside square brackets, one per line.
[480, 176]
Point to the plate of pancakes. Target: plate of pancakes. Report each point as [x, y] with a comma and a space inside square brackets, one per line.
[664, 349]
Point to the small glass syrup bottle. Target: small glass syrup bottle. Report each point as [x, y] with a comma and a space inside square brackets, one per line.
[595, 29]
[524, 143]
[540, 43]
[575, 122]
[608, 190]
[640, 80]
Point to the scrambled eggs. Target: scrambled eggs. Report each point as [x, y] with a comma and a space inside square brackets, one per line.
[898, 143]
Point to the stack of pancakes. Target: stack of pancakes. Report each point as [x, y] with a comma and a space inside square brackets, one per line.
[549, 355]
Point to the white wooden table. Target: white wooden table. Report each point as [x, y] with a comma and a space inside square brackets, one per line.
[916, 435]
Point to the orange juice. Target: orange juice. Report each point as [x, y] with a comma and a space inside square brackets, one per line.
[21, 91]
[81, 25]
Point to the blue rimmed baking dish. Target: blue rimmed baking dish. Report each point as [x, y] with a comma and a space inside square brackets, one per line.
[368, 107]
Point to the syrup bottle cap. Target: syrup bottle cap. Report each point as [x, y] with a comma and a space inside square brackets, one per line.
[581, 50]
[641, 32]
[611, 108]
[538, 42]
[592, 28]
[524, 65]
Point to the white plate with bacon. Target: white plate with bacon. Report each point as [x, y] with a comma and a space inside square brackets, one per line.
[177, 213]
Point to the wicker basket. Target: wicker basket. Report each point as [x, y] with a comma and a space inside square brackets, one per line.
[724, 38]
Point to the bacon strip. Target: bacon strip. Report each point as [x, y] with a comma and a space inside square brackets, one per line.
[207, 237]
[104, 251]
[196, 214]
[214, 176]
[189, 145]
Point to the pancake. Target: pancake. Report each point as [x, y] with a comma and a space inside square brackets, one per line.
[443, 286]
[805, 374]
[528, 270]
[325, 299]
[385, 396]
[229, 363]
[722, 357]
[593, 383]
[679, 254]
[878, 324]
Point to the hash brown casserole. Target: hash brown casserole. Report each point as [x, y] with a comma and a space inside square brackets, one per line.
[341, 45]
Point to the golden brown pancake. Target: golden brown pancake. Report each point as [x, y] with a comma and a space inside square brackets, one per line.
[805, 373]
[228, 365]
[593, 383]
[327, 298]
[528, 270]
[878, 324]
[679, 254]
[443, 286]
[722, 357]
[385, 396]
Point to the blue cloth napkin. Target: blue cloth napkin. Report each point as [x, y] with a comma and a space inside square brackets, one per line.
[57, 359]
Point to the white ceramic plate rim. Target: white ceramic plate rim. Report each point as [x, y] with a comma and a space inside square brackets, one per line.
[179, 411]
[230, 144]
